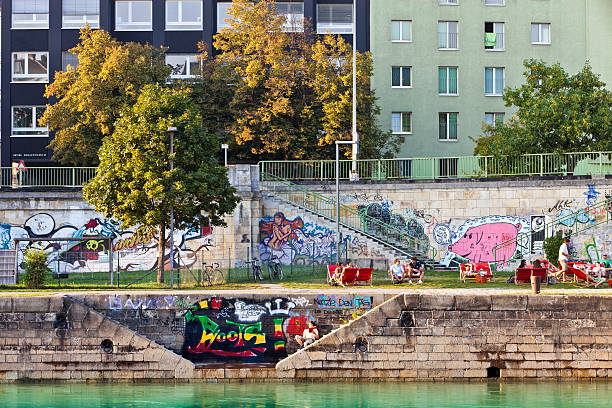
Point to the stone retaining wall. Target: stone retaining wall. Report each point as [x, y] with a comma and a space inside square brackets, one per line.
[442, 337]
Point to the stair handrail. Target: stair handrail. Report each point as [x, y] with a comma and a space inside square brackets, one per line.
[607, 203]
[363, 217]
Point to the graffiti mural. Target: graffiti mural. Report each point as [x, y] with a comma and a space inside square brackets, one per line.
[295, 241]
[336, 303]
[219, 329]
[475, 239]
[135, 249]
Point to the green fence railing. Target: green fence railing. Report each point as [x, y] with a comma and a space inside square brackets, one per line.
[429, 168]
[46, 176]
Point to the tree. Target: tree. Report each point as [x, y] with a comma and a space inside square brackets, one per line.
[557, 112]
[109, 77]
[291, 93]
[134, 183]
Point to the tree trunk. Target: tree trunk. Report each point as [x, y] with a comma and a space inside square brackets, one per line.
[161, 251]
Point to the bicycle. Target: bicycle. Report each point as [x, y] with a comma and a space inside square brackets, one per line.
[212, 275]
[275, 269]
[255, 269]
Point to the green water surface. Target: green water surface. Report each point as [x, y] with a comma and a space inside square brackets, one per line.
[330, 395]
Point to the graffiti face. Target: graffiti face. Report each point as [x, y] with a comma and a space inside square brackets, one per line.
[236, 330]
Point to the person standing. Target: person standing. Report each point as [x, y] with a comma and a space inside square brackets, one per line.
[564, 256]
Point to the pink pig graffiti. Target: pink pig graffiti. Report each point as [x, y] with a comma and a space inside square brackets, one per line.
[478, 242]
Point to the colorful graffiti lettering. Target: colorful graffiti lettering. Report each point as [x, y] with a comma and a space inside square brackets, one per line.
[160, 302]
[332, 303]
[591, 194]
[238, 330]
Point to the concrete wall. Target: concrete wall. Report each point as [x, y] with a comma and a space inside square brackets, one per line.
[452, 337]
[492, 210]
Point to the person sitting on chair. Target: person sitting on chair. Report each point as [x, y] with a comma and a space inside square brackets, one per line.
[415, 270]
[537, 263]
[397, 271]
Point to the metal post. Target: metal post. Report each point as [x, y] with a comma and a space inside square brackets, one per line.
[171, 130]
[110, 258]
[338, 143]
[355, 135]
[225, 147]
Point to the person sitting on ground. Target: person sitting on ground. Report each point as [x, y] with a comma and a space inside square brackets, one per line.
[309, 336]
[415, 270]
[397, 271]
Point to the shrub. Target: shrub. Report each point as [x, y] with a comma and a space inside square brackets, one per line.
[551, 247]
[35, 265]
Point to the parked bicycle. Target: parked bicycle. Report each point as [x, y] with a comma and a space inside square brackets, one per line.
[275, 269]
[255, 269]
[212, 275]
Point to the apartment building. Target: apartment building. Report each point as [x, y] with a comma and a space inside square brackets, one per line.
[37, 34]
[441, 66]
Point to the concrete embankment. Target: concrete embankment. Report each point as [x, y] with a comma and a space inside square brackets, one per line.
[392, 335]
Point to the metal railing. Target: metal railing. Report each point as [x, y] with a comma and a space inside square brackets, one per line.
[326, 207]
[432, 168]
[46, 176]
[575, 221]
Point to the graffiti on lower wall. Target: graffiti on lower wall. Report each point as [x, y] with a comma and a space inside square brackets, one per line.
[133, 249]
[219, 329]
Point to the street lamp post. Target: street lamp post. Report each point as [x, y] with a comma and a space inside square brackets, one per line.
[225, 147]
[338, 143]
[355, 135]
[171, 130]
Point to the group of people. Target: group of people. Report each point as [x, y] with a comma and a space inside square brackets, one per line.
[602, 270]
[414, 270]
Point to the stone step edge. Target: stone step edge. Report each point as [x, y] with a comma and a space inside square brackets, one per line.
[183, 367]
[300, 359]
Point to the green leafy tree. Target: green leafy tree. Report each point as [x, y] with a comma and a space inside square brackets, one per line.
[556, 112]
[134, 183]
[90, 97]
[35, 266]
[290, 92]
[551, 247]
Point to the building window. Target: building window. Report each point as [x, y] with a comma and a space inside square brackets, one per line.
[447, 35]
[448, 2]
[69, 59]
[401, 77]
[222, 14]
[401, 122]
[183, 14]
[77, 13]
[494, 118]
[183, 66]
[494, 2]
[401, 30]
[447, 80]
[540, 33]
[448, 126]
[25, 121]
[30, 14]
[294, 16]
[494, 81]
[335, 18]
[494, 36]
[133, 15]
[30, 67]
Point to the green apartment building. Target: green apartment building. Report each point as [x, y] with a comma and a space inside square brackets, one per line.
[440, 66]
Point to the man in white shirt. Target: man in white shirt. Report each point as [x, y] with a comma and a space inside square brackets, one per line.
[564, 256]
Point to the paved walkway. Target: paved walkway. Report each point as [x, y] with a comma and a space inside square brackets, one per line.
[277, 289]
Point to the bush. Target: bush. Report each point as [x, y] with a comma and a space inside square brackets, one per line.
[35, 265]
[551, 247]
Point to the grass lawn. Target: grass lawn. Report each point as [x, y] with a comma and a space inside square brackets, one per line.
[296, 278]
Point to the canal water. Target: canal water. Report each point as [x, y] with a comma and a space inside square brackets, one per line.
[328, 395]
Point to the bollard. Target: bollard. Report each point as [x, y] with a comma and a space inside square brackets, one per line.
[535, 284]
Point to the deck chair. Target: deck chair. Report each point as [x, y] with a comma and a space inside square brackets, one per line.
[331, 269]
[347, 277]
[466, 271]
[364, 276]
[523, 275]
[486, 267]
